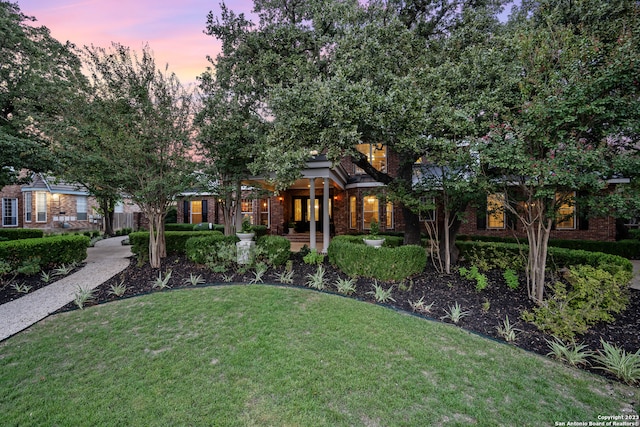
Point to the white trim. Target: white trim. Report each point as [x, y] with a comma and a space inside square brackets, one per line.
[13, 207]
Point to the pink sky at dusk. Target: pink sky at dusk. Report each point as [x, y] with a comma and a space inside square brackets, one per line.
[172, 28]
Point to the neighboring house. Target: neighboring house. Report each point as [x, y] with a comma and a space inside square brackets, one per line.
[341, 200]
[49, 204]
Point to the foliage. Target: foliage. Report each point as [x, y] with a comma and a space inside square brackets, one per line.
[313, 257]
[82, 296]
[473, 274]
[317, 279]
[52, 250]
[507, 330]
[176, 241]
[380, 294]
[118, 289]
[64, 269]
[22, 288]
[573, 354]
[592, 295]
[29, 266]
[511, 278]
[258, 273]
[356, 259]
[194, 279]
[625, 366]
[455, 313]
[198, 249]
[285, 277]
[38, 74]
[488, 257]
[20, 233]
[162, 282]
[345, 286]
[277, 249]
[420, 306]
[186, 227]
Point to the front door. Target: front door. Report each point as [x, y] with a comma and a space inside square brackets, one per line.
[302, 211]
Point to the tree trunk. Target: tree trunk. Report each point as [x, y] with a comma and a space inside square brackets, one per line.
[412, 232]
[156, 237]
[107, 211]
[538, 238]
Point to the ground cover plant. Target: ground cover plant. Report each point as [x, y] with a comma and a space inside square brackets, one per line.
[267, 355]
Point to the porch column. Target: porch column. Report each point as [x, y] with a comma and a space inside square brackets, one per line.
[312, 213]
[326, 228]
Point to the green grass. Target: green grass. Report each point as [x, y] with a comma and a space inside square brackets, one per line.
[262, 355]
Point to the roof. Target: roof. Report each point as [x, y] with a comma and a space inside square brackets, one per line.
[40, 182]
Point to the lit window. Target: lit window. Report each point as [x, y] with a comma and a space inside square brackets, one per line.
[41, 206]
[10, 212]
[265, 204]
[196, 212]
[353, 222]
[297, 210]
[28, 209]
[389, 224]
[376, 155]
[370, 211]
[247, 210]
[316, 209]
[81, 208]
[566, 216]
[495, 211]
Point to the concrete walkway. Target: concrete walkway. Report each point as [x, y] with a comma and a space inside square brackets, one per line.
[105, 260]
[635, 282]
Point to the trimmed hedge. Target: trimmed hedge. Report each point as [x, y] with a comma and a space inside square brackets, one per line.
[389, 241]
[178, 227]
[204, 226]
[385, 263]
[197, 248]
[175, 241]
[561, 257]
[21, 233]
[625, 248]
[54, 250]
[277, 249]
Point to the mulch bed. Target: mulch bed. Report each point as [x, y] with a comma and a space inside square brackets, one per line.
[487, 308]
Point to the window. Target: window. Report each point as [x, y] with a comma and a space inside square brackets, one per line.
[81, 208]
[196, 212]
[28, 209]
[370, 211]
[119, 207]
[10, 212]
[376, 155]
[297, 210]
[566, 216]
[353, 219]
[41, 206]
[247, 210]
[495, 211]
[265, 205]
[428, 215]
[389, 224]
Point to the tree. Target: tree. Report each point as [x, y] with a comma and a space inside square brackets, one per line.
[36, 73]
[575, 119]
[146, 137]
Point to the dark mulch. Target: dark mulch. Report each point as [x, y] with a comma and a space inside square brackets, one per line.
[487, 308]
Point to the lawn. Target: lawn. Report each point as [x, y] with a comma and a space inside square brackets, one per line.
[266, 355]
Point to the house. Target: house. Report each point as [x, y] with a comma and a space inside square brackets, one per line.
[342, 200]
[50, 204]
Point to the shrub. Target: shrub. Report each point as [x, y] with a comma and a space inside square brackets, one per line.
[390, 241]
[511, 278]
[20, 233]
[62, 249]
[181, 227]
[473, 274]
[313, 257]
[175, 241]
[357, 259]
[199, 248]
[260, 230]
[207, 226]
[277, 249]
[592, 295]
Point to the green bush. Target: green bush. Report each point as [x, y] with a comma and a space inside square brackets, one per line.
[389, 241]
[204, 226]
[62, 249]
[178, 227]
[20, 233]
[199, 249]
[559, 257]
[276, 249]
[357, 259]
[175, 241]
[260, 230]
[590, 295]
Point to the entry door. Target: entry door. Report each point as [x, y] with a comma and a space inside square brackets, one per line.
[302, 211]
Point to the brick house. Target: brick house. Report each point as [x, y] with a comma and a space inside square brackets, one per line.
[344, 201]
[49, 204]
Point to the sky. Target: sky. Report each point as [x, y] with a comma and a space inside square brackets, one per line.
[173, 29]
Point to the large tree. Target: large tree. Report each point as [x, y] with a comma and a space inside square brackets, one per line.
[36, 73]
[576, 117]
[146, 134]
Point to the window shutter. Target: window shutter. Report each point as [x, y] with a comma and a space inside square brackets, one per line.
[185, 212]
[481, 216]
[205, 211]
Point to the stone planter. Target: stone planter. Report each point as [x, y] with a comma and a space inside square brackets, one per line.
[245, 237]
[376, 243]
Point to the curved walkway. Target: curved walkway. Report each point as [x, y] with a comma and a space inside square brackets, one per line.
[105, 260]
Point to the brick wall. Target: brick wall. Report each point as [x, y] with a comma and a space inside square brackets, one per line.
[13, 192]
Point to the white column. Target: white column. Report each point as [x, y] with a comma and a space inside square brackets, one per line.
[326, 227]
[312, 213]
